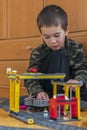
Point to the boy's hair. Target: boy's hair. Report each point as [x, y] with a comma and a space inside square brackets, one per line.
[52, 15]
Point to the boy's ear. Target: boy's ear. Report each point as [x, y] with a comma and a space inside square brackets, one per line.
[67, 30]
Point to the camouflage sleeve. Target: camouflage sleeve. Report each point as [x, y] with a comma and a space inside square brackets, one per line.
[79, 67]
[36, 57]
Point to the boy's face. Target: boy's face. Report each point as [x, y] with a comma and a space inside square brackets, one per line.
[54, 36]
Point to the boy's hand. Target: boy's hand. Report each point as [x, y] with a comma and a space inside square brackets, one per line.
[42, 95]
[72, 87]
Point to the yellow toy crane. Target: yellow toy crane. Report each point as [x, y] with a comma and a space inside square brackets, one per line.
[15, 90]
[15, 84]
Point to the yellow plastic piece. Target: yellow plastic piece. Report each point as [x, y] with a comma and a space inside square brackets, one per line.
[31, 121]
[17, 94]
[12, 95]
[54, 90]
[77, 90]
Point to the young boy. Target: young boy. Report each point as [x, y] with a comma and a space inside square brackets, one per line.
[57, 53]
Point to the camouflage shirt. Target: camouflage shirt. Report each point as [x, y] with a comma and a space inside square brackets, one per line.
[76, 60]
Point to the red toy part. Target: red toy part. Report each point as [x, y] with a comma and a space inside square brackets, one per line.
[23, 107]
[53, 112]
[33, 70]
[61, 97]
[75, 108]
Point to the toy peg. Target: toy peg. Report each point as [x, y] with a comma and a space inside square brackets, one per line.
[8, 71]
[33, 70]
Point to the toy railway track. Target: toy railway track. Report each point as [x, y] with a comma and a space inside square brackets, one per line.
[38, 118]
[17, 128]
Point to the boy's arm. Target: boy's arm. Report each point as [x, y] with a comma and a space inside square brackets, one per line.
[37, 55]
[79, 68]
[33, 87]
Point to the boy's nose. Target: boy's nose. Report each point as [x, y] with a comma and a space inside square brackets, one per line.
[52, 40]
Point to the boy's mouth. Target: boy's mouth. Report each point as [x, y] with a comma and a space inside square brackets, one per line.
[55, 47]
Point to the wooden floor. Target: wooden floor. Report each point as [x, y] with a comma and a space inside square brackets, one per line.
[6, 120]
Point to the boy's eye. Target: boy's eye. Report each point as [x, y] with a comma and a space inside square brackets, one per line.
[46, 37]
[57, 35]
